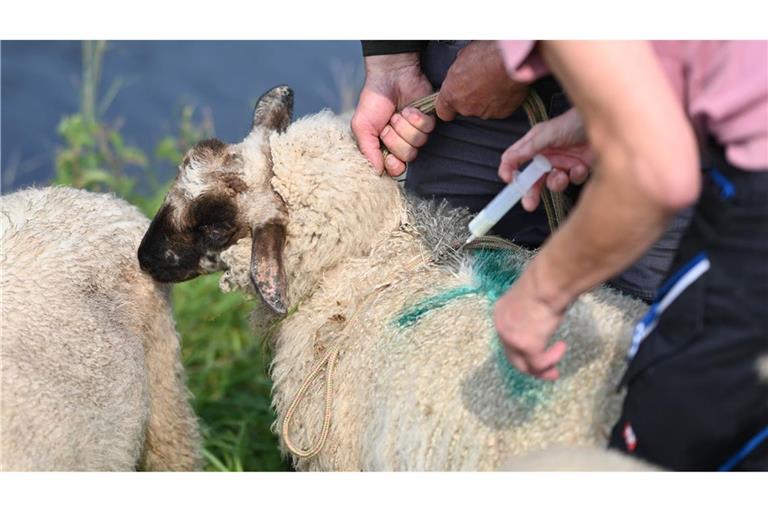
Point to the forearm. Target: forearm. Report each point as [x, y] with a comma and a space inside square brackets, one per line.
[612, 227]
[646, 166]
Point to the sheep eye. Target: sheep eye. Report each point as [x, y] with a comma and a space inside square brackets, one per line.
[215, 234]
[210, 229]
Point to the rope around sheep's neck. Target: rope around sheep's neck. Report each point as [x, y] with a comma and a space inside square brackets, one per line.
[556, 208]
[329, 360]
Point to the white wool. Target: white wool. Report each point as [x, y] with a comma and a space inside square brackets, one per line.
[435, 394]
[192, 183]
[89, 356]
[578, 458]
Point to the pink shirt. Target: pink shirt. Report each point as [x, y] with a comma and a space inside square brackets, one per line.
[723, 86]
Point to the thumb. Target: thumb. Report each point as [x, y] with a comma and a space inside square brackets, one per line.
[540, 137]
[522, 150]
[371, 116]
[543, 366]
[531, 198]
[443, 108]
[368, 142]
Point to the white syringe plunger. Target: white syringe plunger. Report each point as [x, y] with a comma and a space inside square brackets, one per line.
[509, 196]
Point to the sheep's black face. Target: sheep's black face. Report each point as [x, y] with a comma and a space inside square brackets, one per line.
[180, 247]
[222, 193]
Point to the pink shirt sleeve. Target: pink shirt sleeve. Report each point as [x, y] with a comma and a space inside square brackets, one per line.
[723, 86]
[523, 61]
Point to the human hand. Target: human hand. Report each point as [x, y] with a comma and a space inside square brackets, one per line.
[525, 321]
[391, 82]
[563, 141]
[477, 84]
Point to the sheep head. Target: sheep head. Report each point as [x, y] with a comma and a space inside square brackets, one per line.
[221, 194]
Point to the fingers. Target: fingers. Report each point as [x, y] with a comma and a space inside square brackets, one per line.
[423, 122]
[532, 198]
[393, 166]
[403, 138]
[519, 152]
[397, 145]
[557, 180]
[374, 109]
[443, 107]
[524, 325]
[542, 365]
[516, 359]
[579, 174]
[406, 132]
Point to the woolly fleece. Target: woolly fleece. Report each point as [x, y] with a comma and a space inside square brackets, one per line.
[435, 394]
[90, 359]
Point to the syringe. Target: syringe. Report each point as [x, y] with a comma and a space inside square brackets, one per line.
[508, 197]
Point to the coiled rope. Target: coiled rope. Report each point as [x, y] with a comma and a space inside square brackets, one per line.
[555, 206]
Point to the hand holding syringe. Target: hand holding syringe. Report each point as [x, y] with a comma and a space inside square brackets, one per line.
[508, 197]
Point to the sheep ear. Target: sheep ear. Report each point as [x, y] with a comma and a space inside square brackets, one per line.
[273, 110]
[267, 272]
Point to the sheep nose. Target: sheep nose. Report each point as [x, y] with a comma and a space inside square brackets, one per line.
[145, 262]
[150, 261]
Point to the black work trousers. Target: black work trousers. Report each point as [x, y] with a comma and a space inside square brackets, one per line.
[697, 386]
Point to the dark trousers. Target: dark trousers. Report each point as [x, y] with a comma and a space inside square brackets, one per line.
[697, 388]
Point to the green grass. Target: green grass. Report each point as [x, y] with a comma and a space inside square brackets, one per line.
[226, 362]
[227, 374]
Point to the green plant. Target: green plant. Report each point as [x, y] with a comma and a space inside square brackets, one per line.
[95, 156]
[226, 364]
[227, 373]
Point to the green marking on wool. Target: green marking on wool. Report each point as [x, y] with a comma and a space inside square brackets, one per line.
[525, 388]
[493, 272]
[413, 314]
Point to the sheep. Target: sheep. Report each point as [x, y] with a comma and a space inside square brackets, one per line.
[90, 359]
[578, 458]
[357, 277]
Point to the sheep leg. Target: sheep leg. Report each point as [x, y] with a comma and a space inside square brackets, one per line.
[172, 438]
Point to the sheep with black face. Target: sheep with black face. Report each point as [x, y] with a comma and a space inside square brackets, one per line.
[420, 381]
[218, 199]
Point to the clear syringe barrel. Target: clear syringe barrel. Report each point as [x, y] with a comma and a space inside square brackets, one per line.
[509, 196]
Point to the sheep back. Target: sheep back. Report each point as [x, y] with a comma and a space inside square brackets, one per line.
[578, 458]
[91, 372]
[422, 382]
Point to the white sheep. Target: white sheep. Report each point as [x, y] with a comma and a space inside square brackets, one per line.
[89, 355]
[373, 291]
[578, 458]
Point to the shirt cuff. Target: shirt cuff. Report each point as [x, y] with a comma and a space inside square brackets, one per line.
[371, 48]
[523, 62]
